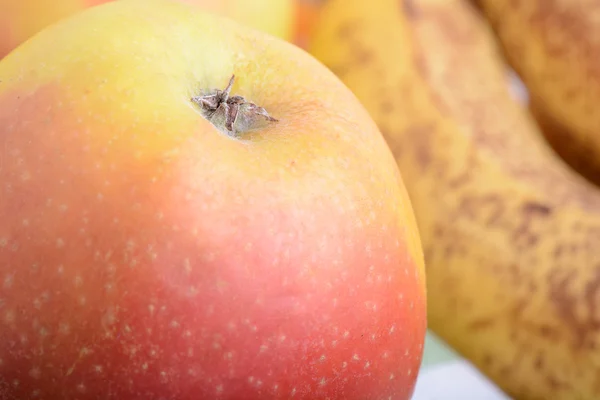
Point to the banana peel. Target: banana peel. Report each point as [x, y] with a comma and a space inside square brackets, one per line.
[554, 46]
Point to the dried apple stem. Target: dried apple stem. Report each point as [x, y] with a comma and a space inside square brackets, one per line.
[233, 115]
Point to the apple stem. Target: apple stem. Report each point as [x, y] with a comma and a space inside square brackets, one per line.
[233, 115]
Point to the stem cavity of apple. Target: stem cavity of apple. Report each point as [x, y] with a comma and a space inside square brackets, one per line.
[232, 115]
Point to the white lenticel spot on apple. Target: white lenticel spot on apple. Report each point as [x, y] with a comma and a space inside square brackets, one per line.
[8, 280]
[35, 373]
[392, 376]
[355, 357]
[25, 176]
[322, 382]
[392, 329]
[187, 266]
[37, 304]
[193, 292]
[36, 393]
[163, 377]
[64, 328]
[3, 242]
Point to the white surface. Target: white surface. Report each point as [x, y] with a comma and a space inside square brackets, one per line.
[455, 380]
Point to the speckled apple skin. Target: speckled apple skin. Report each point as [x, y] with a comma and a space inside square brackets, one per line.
[146, 255]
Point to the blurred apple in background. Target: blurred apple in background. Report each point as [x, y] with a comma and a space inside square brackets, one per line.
[21, 19]
[146, 252]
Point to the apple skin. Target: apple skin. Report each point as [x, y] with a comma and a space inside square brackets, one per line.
[146, 255]
[21, 19]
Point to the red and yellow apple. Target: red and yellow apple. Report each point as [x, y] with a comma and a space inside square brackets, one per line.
[147, 254]
[21, 19]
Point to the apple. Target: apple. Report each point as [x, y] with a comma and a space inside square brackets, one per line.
[193, 209]
[21, 19]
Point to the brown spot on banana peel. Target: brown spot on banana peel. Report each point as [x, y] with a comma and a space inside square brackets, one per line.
[409, 9]
[584, 322]
[420, 136]
[531, 211]
[386, 106]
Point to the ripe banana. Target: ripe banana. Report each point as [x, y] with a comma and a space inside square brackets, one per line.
[554, 45]
[511, 234]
